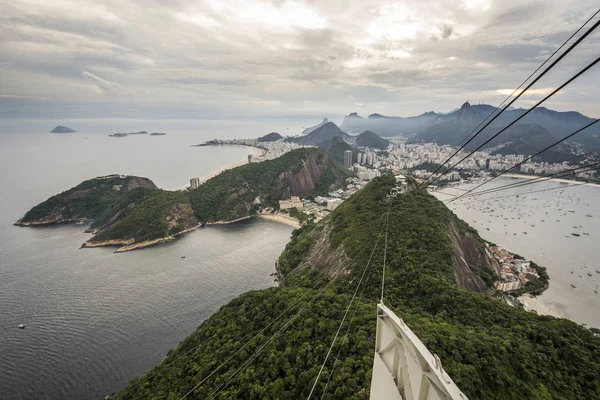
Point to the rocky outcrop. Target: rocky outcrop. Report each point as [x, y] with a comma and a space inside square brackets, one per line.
[51, 219]
[333, 262]
[303, 181]
[137, 182]
[467, 256]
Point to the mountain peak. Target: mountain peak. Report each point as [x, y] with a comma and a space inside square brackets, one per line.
[353, 115]
[465, 105]
[312, 128]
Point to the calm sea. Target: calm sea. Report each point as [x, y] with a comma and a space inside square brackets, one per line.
[96, 319]
[539, 226]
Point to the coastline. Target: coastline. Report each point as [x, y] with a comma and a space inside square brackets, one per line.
[256, 152]
[281, 219]
[531, 303]
[551, 179]
[129, 244]
[228, 222]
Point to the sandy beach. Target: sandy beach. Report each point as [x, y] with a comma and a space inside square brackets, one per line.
[532, 303]
[256, 152]
[284, 219]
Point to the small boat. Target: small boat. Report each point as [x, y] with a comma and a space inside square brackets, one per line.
[573, 285]
[589, 274]
[575, 234]
[21, 326]
[589, 215]
[182, 256]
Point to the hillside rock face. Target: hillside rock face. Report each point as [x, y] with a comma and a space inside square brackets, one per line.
[313, 128]
[467, 255]
[302, 182]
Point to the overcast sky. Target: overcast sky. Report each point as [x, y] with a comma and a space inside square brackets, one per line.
[220, 58]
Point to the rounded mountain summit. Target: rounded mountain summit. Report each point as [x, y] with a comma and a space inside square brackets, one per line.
[62, 129]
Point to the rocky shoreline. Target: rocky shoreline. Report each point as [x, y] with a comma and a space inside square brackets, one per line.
[130, 244]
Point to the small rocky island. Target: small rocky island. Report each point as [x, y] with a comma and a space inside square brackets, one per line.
[119, 134]
[157, 134]
[62, 129]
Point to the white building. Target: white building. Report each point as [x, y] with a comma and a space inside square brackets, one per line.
[195, 183]
[333, 203]
[348, 158]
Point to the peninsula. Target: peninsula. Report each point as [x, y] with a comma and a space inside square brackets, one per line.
[435, 278]
[131, 212]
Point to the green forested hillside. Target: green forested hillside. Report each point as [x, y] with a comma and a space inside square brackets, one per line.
[127, 210]
[238, 192]
[492, 351]
[336, 146]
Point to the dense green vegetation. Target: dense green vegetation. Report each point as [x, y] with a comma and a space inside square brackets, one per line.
[491, 350]
[239, 192]
[336, 146]
[148, 220]
[126, 208]
[430, 167]
[89, 199]
[121, 207]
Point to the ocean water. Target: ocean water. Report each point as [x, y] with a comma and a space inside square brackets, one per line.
[539, 226]
[96, 319]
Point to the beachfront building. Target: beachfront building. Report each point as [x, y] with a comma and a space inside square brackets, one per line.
[194, 183]
[333, 203]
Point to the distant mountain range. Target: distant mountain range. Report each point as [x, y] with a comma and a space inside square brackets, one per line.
[538, 129]
[336, 146]
[320, 134]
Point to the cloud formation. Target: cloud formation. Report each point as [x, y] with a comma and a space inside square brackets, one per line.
[219, 58]
[103, 84]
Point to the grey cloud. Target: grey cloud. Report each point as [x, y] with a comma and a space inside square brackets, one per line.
[127, 47]
[103, 84]
[446, 30]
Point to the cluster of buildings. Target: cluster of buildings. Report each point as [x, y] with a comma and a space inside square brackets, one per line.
[321, 206]
[403, 156]
[271, 151]
[514, 272]
[422, 174]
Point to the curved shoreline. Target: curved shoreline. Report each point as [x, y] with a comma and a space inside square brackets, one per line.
[532, 303]
[256, 152]
[281, 219]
